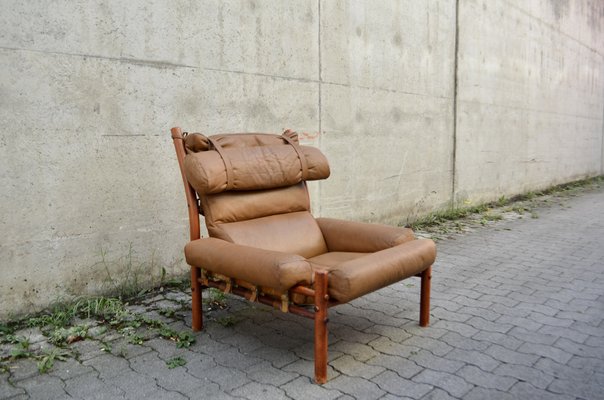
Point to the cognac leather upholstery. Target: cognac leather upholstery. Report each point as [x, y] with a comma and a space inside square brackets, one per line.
[361, 275]
[361, 237]
[254, 167]
[262, 267]
[255, 202]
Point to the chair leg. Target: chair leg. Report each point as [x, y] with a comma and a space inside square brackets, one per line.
[424, 302]
[321, 305]
[196, 310]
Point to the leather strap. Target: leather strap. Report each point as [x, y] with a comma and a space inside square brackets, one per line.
[303, 163]
[227, 163]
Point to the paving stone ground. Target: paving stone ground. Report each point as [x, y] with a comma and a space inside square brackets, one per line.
[517, 313]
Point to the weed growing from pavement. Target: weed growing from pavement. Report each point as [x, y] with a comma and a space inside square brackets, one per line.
[22, 349]
[451, 214]
[176, 362]
[215, 299]
[62, 336]
[48, 357]
[488, 216]
[167, 312]
[517, 208]
[183, 339]
[227, 321]
[68, 322]
[106, 346]
[463, 218]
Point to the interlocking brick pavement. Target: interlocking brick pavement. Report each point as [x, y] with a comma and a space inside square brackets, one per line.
[517, 313]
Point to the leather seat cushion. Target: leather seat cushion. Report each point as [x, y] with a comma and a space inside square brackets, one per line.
[352, 275]
[332, 258]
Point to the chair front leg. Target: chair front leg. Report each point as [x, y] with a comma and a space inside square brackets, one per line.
[424, 302]
[196, 304]
[321, 306]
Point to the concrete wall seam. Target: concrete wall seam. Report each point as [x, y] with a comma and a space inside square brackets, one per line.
[602, 144]
[455, 99]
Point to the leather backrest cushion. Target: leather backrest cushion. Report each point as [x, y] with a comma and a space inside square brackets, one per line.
[269, 162]
[294, 233]
[235, 206]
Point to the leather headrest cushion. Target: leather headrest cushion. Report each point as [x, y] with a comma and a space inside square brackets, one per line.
[196, 142]
[256, 162]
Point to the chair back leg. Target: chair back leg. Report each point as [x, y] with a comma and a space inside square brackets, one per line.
[196, 303]
[424, 302]
[321, 306]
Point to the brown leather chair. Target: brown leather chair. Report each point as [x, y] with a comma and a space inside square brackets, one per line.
[266, 246]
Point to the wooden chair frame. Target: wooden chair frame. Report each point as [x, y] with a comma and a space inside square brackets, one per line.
[318, 291]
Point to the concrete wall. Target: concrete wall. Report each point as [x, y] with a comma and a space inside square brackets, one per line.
[408, 117]
[386, 107]
[530, 95]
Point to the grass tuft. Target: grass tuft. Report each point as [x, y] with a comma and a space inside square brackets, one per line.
[450, 214]
[216, 299]
[176, 362]
[227, 321]
[511, 205]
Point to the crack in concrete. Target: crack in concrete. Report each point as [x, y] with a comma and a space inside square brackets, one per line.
[535, 110]
[124, 135]
[383, 89]
[261, 74]
[126, 60]
[323, 82]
